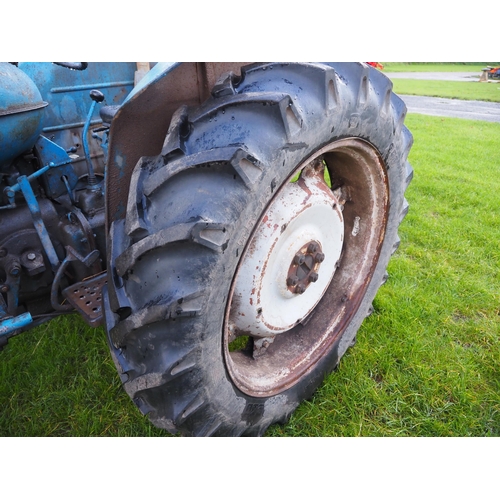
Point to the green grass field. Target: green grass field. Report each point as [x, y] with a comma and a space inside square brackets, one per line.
[426, 363]
[467, 90]
[428, 67]
[471, 91]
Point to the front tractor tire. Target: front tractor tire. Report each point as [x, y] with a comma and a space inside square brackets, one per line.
[254, 244]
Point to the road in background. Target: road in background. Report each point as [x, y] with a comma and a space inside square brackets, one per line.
[455, 76]
[453, 108]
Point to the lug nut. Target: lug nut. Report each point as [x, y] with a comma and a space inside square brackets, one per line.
[312, 248]
[292, 281]
[313, 277]
[319, 257]
[300, 288]
[299, 259]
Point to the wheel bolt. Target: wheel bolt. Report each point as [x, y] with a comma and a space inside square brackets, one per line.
[319, 257]
[299, 259]
[313, 248]
[292, 281]
[313, 277]
[300, 288]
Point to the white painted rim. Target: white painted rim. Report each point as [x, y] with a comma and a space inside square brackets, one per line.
[304, 211]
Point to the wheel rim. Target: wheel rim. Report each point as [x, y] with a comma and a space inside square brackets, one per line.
[306, 268]
[284, 264]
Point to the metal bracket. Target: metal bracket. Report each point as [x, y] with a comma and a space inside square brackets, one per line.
[86, 298]
[10, 325]
[71, 256]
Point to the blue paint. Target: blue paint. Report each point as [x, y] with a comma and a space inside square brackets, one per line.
[53, 157]
[46, 107]
[18, 187]
[21, 113]
[60, 166]
[34, 208]
[91, 179]
[76, 88]
[8, 326]
[67, 91]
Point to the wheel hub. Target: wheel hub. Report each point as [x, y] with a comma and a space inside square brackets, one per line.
[305, 266]
[291, 258]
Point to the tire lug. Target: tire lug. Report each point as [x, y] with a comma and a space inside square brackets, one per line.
[292, 281]
[300, 288]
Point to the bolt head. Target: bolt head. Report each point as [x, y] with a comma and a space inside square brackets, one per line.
[31, 256]
[299, 259]
[313, 277]
[292, 281]
[319, 257]
[300, 288]
[312, 248]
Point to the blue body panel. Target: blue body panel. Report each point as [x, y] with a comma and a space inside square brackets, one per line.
[21, 113]
[67, 91]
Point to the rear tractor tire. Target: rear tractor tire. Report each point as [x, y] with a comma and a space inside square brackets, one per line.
[255, 243]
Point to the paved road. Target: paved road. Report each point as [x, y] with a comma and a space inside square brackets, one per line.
[456, 76]
[454, 108]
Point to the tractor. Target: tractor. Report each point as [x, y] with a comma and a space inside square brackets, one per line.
[228, 224]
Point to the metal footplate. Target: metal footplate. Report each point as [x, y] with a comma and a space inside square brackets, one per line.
[86, 298]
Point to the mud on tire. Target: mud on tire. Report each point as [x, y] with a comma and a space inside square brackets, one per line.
[194, 214]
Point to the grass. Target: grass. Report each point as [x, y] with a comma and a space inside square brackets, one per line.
[59, 380]
[426, 363]
[467, 90]
[429, 67]
[473, 90]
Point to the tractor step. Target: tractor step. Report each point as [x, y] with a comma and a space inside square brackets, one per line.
[86, 298]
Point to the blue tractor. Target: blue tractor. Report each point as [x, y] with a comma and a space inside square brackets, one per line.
[228, 224]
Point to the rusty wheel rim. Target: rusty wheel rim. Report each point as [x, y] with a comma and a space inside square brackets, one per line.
[327, 290]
